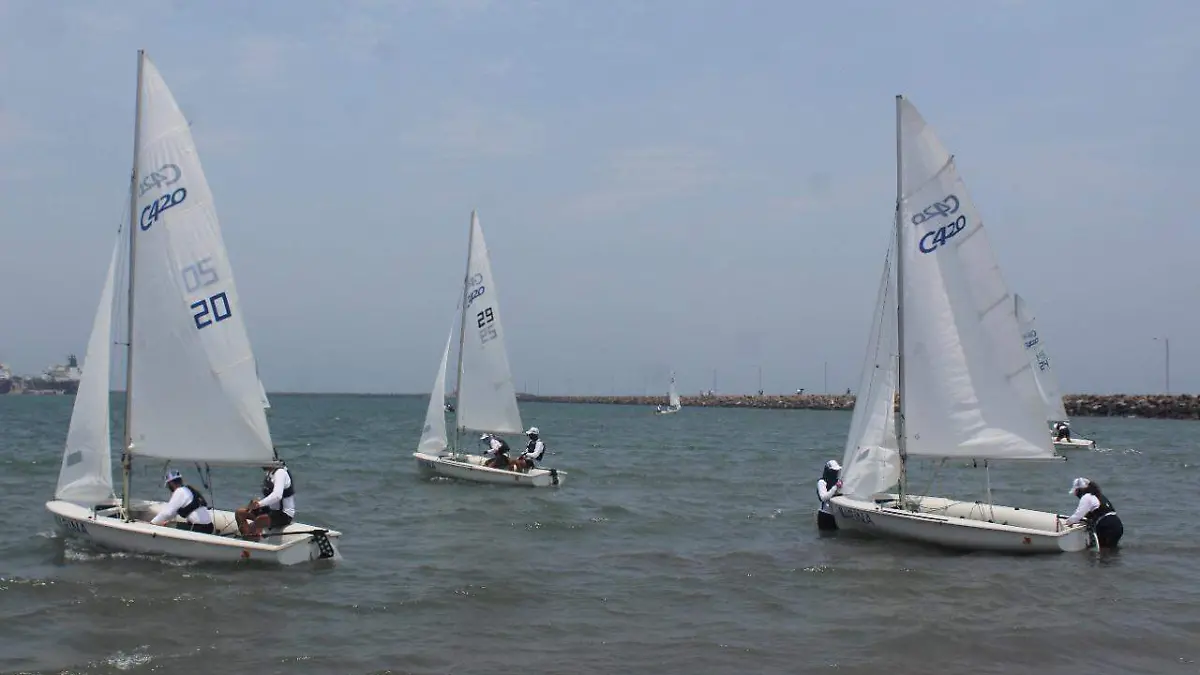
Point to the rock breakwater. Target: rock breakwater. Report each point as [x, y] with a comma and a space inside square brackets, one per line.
[1182, 406]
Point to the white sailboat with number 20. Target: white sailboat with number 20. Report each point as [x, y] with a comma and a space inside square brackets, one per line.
[193, 393]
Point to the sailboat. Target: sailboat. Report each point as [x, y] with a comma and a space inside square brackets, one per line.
[1049, 394]
[487, 398]
[192, 389]
[674, 404]
[945, 338]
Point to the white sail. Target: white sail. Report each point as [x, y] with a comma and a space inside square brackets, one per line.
[1047, 382]
[673, 395]
[487, 399]
[433, 436]
[962, 346]
[195, 391]
[871, 462]
[86, 474]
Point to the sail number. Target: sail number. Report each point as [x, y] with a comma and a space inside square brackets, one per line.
[157, 207]
[72, 525]
[485, 320]
[199, 275]
[931, 240]
[211, 310]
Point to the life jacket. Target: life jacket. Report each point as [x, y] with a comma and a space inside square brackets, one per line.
[268, 486]
[1105, 509]
[190, 507]
[503, 450]
[531, 452]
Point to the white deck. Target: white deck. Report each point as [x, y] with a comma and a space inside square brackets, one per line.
[471, 468]
[103, 526]
[960, 525]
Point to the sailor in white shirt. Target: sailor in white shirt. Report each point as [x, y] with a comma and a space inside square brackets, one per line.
[187, 503]
[1097, 513]
[497, 452]
[827, 487]
[276, 509]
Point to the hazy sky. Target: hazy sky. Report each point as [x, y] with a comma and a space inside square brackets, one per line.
[694, 185]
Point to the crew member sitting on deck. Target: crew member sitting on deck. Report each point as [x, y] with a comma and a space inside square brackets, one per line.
[1062, 432]
[497, 452]
[827, 487]
[1097, 512]
[533, 451]
[187, 503]
[276, 509]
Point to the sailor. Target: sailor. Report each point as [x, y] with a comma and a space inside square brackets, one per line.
[497, 452]
[534, 451]
[1062, 432]
[276, 509]
[1097, 513]
[187, 503]
[827, 487]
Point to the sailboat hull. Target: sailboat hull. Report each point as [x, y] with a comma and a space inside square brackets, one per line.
[1075, 444]
[667, 411]
[471, 468]
[104, 527]
[960, 525]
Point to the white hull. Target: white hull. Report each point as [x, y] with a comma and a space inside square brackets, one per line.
[960, 525]
[470, 467]
[1075, 444]
[105, 528]
[667, 411]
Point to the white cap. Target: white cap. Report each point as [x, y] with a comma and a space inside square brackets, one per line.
[172, 475]
[485, 437]
[833, 464]
[533, 431]
[1077, 484]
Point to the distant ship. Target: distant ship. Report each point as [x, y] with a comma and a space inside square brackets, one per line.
[57, 379]
[6, 379]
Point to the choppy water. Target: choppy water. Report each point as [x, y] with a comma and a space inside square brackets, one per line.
[680, 544]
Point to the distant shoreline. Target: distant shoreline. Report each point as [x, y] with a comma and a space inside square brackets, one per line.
[1155, 406]
[1160, 406]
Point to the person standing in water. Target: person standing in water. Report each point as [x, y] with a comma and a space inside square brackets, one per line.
[1097, 512]
[827, 487]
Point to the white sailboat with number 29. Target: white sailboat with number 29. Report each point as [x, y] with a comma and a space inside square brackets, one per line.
[945, 337]
[487, 398]
[193, 393]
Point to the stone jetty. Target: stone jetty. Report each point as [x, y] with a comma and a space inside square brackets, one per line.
[1183, 406]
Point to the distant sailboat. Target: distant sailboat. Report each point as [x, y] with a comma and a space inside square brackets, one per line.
[674, 404]
[487, 399]
[1049, 395]
[192, 389]
[945, 339]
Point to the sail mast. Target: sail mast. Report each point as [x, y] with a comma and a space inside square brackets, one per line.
[462, 331]
[900, 432]
[127, 446]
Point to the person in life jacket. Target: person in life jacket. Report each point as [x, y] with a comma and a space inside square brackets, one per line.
[1062, 431]
[497, 452]
[187, 503]
[827, 487]
[276, 509]
[1097, 513]
[534, 451]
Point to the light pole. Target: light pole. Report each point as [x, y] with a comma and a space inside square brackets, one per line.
[1167, 361]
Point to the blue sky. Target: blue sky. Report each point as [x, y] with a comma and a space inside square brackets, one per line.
[694, 185]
